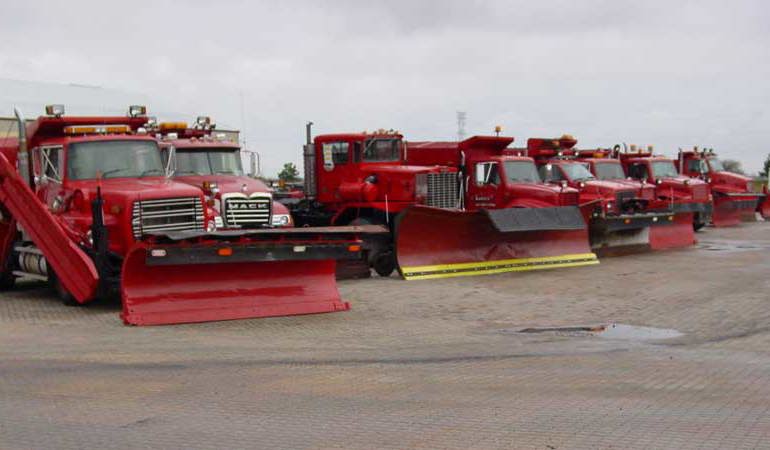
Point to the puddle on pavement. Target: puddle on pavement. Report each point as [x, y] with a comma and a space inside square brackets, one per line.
[616, 331]
[731, 246]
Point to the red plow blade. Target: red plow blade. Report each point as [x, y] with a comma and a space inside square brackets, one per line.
[195, 278]
[679, 233]
[732, 210]
[439, 243]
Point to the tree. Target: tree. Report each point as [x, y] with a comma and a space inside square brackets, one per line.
[733, 166]
[766, 167]
[288, 173]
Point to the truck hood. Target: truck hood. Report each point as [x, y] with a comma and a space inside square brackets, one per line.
[729, 182]
[226, 183]
[605, 187]
[135, 189]
[401, 169]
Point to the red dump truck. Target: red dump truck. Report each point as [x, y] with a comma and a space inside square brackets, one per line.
[734, 197]
[88, 206]
[439, 228]
[207, 160]
[623, 216]
[686, 195]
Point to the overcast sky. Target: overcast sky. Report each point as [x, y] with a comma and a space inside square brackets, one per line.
[668, 73]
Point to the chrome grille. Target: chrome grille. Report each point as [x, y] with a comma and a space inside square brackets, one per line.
[624, 196]
[700, 192]
[242, 211]
[167, 214]
[442, 190]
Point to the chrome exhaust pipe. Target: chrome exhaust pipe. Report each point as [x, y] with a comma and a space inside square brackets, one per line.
[23, 155]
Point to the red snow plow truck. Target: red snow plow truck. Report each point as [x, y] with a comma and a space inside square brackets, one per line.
[442, 225]
[735, 199]
[88, 206]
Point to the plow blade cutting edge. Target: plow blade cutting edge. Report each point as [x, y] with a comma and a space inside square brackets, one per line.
[439, 243]
[183, 283]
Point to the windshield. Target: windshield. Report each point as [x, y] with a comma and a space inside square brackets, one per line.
[113, 159]
[521, 172]
[211, 162]
[379, 150]
[577, 172]
[609, 171]
[664, 169]
[716, 165]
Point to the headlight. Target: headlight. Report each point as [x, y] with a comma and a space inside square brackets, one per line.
[211, 227]
[609, 206]
[281, 220]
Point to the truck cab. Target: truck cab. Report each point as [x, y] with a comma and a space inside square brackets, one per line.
[682, 193]
[73, 158]
[365, 178]
[731, 190]
[207, 160]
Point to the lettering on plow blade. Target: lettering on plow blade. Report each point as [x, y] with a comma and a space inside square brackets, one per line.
[438, 243]
[184, 293]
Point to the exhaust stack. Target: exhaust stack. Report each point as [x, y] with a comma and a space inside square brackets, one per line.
[23, 156]
[309, 163]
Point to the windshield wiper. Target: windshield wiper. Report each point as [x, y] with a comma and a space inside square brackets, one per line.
[109, 172]
[225, 172]
[149, 171]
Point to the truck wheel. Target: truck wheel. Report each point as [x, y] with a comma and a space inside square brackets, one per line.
[7, 281]
[62, 292]
[384, 264]
[698, 225]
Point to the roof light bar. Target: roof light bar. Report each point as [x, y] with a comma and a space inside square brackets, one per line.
[96, 129]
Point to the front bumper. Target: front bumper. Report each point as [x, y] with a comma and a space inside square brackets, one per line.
[631, 221]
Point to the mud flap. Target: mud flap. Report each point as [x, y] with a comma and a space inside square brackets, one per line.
[678, 234]
[438, 243]
[155, 294]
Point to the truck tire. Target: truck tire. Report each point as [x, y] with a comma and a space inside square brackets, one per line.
[7, 281]
[64, 295]
[384, 263]
[698, 225]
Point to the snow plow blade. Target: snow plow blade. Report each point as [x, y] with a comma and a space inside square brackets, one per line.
[679, 233]
[189, 277]
[626, 233]
[732, 209]
[439, 243]
[73, 267]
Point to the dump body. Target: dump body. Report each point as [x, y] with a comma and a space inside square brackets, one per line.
[734, 196]
[91, 210]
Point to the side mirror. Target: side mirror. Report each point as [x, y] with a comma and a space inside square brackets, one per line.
[171, 162]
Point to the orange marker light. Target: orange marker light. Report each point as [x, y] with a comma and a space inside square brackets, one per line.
[354, 248]
[225, 251]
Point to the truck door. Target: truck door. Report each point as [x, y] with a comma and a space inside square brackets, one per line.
[483, 188]
[335, 168]
[48, 166]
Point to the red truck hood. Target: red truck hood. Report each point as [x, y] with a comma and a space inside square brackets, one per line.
[729, 182]
[605, 187]
[134, 189]
[226, 183]
[401, 169]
